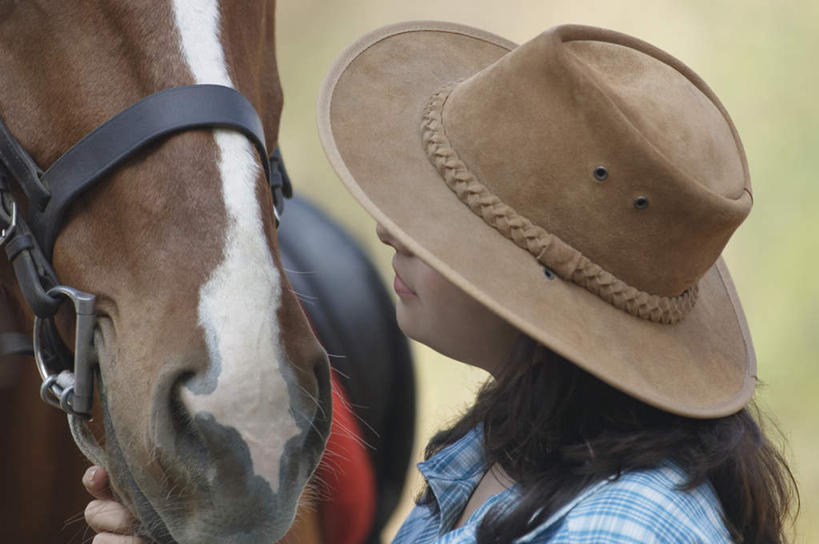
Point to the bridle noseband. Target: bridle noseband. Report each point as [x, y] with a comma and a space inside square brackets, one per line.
[29, 241]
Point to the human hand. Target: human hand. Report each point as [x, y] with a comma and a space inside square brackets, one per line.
[110, 519]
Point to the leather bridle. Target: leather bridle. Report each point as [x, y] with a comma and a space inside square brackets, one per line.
[29, 241]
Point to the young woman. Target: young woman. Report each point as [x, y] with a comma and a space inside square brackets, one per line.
[558, 211]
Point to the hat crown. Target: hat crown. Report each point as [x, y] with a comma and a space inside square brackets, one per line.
[611, 145]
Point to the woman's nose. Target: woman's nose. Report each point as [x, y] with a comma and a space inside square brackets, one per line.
[388, 239]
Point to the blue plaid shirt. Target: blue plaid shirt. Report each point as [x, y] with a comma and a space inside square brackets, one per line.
[640, 507]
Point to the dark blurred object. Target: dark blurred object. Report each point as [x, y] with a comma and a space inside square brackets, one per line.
[354, 318]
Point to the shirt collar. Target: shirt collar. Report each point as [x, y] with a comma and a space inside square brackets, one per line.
[453, 474]
[455, 471]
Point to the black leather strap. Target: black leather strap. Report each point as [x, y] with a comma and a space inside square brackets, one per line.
[152, 118]
[279, 181]
[34, 275]
[21, 167]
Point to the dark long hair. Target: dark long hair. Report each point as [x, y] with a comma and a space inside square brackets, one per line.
[555, 429]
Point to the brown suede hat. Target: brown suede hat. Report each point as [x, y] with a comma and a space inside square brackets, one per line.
[581, 185]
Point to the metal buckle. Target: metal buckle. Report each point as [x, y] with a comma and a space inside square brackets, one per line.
[276, 215]
[72, 392]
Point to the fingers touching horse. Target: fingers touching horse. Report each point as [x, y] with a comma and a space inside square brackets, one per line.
[216, 395]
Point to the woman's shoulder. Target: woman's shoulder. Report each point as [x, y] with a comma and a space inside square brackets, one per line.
[645, 506]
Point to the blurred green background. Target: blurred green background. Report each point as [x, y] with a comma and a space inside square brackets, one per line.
[760, 56]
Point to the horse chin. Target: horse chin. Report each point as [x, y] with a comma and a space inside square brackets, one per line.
[207, 492]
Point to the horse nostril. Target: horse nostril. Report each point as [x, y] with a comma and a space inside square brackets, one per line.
[178, 415]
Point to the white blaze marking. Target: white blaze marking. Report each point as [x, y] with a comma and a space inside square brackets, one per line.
[238, 303]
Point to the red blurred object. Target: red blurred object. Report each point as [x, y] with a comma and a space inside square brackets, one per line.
[346, 477]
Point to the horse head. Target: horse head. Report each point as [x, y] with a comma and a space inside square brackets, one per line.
[215, 393]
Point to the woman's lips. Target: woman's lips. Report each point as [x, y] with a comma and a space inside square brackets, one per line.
[401, 288]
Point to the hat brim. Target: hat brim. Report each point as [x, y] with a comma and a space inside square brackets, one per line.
[369, 118]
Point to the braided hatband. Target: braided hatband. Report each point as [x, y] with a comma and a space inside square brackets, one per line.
[548, 249]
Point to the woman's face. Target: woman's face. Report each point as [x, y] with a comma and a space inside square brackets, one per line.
[433, 311]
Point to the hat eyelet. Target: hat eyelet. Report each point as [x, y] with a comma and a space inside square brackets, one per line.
[601, 173]
[641, 202]
[548, 273]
